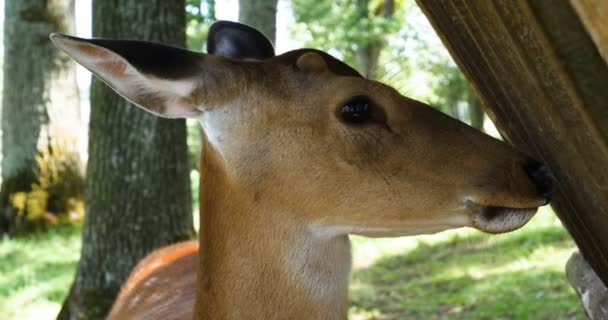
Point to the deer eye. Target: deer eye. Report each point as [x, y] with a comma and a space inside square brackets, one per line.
[357, 110]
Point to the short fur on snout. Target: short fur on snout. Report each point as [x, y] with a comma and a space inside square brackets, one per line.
[299, 152]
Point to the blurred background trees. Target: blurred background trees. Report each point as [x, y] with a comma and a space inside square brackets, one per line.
[200, 14]
[44, 128]
[260, 14]
[355, 30]
[388, 40]
[42, 175]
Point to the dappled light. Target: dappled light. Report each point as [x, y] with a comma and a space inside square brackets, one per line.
[459, 274]
[36, 271]
[464, 274]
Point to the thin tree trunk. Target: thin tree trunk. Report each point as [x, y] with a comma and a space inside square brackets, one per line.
[367, 58]
[260, 14]
[39, 84]
[138, 189]
[368, 54]
[476, 113]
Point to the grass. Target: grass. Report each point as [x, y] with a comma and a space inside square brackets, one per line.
[36, 271]
[460, 274]
[465, 274]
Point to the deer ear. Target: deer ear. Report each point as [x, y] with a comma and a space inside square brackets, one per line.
[155, 77]
[311, 62]
[238, 41]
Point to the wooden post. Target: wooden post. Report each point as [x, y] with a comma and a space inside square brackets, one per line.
[545, 85]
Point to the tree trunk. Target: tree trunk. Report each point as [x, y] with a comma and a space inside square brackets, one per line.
[138, 190]
[260, 14]
[367, 58]
[476, 113]
[39, 84]
[368, 54]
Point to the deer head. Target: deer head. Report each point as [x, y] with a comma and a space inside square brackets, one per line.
[300, 141]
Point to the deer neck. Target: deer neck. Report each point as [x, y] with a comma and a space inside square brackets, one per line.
[259, 262]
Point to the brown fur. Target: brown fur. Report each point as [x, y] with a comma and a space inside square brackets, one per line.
[153, 283]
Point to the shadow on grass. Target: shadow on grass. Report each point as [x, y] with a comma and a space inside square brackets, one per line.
[471, 277]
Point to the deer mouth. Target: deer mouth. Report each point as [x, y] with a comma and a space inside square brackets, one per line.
[500, 219]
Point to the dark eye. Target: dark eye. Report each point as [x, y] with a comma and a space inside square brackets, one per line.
[358, 110]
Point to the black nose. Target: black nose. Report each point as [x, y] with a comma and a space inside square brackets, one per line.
[542, 177]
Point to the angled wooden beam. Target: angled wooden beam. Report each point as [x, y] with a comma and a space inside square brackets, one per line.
[545, 85]
[594, 15]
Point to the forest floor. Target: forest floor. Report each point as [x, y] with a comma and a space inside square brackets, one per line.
[460, 274]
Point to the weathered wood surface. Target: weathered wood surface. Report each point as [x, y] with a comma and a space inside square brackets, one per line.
[545, 85]
[594, 15]
[589, 288]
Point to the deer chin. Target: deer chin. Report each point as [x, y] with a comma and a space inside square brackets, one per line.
[500, 219]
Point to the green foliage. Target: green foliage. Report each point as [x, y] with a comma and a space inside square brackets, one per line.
[200, 14]
[194, 143]
[449, 87]
[57, 195]
[412, 59]
[342, 26]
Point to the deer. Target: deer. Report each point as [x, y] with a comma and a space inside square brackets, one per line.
[300, 151]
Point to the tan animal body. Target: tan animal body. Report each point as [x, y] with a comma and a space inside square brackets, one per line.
[299, 152]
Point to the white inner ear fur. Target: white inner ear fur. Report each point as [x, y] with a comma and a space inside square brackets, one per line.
[176, 93]
[129, 82]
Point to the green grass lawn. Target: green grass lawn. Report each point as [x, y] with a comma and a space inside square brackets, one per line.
[36, 272]
[464, 274]
[460, 274]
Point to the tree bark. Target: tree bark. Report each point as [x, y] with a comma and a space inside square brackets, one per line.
[260, 14]
[138, 190]
[39, 85]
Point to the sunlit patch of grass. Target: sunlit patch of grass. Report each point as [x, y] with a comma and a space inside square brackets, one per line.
[465, 274]
[36, 271]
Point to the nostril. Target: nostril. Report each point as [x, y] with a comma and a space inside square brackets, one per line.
[542, 177]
